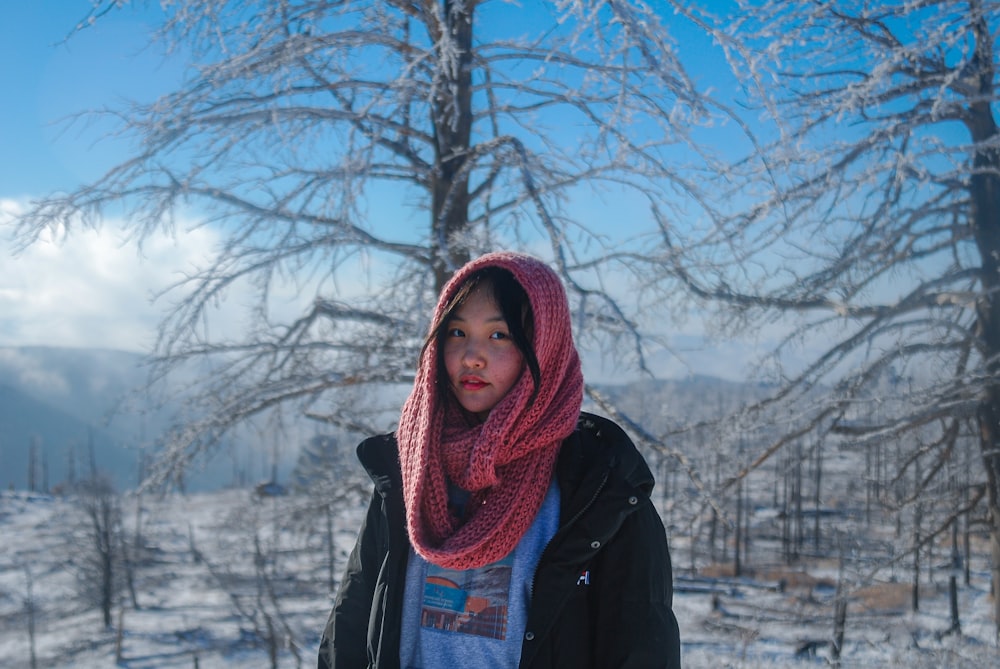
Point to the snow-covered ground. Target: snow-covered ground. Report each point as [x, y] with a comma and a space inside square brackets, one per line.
[221, 573]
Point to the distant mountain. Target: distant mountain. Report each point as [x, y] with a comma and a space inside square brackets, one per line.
[86, 383]
[52, 411]
[62, 400]
[64, 404]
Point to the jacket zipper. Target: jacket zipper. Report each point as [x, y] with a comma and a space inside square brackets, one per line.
[576, 517]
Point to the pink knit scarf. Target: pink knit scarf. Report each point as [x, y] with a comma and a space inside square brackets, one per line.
[507, 463]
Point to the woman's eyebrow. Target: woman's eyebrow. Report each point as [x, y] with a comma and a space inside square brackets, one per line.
[492, 319]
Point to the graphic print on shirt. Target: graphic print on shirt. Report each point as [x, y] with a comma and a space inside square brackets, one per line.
[468, 602]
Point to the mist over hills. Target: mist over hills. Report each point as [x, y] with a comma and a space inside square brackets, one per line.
[67, 403]
[57, 402]
[26, 422]
[75, 408]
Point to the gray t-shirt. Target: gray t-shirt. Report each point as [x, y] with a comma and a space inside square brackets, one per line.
[473, 618]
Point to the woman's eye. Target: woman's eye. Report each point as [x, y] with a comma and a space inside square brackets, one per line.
[455, 332]
[499, 335]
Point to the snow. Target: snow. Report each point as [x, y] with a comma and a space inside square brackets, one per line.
[201, 603]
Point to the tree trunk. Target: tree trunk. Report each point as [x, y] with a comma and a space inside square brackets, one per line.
[737, 565]
[713, 528]
[747, 510]
[107, 572]
[869, 485]
[713, 524]
[915, 592]
[33, 463]
[30, 606]
[120, 636]
[331, 553]
[966, 550]
[452, 123]
[839, 610]
[799, 526]
[956, 566]
[985, 214]
[786, 549]
[135, 555]
[817, 497]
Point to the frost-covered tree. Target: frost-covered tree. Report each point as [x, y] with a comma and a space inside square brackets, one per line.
[328, 478]
[98, 557]
[322, 461]
[350, 155]
[867, 221]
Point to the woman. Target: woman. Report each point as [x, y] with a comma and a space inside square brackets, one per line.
[507, 528]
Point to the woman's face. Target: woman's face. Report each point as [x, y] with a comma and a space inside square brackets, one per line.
[481, 359]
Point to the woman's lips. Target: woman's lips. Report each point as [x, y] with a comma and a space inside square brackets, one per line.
[472, 383]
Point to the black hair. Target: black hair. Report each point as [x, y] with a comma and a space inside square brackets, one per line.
[515, 307]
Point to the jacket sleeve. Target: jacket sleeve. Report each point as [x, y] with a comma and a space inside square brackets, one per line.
[636, 622]
[345, 640]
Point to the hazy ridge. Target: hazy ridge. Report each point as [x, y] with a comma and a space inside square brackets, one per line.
[65, 399]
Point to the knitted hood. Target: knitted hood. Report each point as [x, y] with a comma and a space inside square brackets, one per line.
[507, 462]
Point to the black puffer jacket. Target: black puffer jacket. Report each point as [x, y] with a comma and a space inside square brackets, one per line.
[618, 616]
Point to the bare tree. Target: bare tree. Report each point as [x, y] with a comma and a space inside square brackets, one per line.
[353, 154]
[31, 610]
[34, 448]
[328, 478]
[99, 558]
[249, 569]
[866, 221]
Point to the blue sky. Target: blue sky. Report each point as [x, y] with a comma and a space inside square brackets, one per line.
[92, 288]
[32, 71]
[47, 77]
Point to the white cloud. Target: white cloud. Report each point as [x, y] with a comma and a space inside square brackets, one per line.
[90, 288]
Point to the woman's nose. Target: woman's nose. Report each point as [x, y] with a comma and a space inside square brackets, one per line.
[472, 354]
